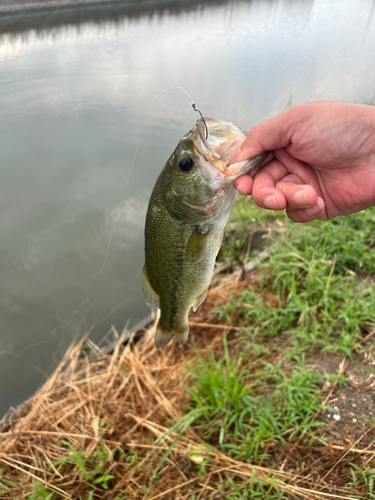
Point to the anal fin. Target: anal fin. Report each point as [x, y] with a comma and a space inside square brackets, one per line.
[198, 301]
[220, 242]
[152, 298]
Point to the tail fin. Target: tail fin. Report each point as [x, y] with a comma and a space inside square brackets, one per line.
[163, 336]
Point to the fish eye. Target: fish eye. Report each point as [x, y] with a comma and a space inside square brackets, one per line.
[186, 164]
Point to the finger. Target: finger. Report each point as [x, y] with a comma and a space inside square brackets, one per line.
[274, 169]
[316, 212]
[297, 180]
[244, 184]
[264, 191]
[306, 172]
[297, 194]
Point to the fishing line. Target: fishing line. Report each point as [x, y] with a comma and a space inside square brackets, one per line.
[126, 186]
[96, 274]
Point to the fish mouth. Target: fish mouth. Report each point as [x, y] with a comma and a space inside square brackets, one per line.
[203, 144]
[216, 142]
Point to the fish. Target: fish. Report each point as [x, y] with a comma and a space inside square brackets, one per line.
[186, 216]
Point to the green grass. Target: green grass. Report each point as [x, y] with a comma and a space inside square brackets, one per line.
[220, 396]
[314, 294]
[93, 466]
[254, 489]
[350, 238]
[312, 274]
[245, 218]
[360, 477]
[39, 492]
[241, 410]
[5, 485]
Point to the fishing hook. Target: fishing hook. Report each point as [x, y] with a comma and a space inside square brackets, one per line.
[205, 124]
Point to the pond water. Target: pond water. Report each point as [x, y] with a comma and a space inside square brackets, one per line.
[76, 101]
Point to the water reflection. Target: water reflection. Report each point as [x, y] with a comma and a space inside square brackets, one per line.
[73, 97]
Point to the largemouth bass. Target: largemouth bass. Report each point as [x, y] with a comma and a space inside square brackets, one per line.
[186, 217]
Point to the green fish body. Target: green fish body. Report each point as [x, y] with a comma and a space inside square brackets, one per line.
[186, 217]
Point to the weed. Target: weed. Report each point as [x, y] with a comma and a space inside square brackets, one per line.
[5, 484]
[308, 287]
[103, 481]
[253, 489]
[93, 466]
[220, 398]
[337, 378]
[155, 471]
[238, 411]
[40, 493]
[362, 477]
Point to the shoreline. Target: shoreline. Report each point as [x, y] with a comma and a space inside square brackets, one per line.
[16, 9]
[19, 17]
[108, 348]
[107, 345]
[28, 6]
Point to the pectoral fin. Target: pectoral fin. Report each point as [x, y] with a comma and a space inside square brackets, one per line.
[198, 301]
[196, 244]
[152, 298]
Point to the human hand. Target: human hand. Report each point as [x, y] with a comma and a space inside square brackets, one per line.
[322, 161]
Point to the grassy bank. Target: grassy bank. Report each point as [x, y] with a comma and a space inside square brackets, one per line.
[272, 398]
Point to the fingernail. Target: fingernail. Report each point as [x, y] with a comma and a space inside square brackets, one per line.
[300, 198]
[235, 156]
[317, 208]
[270, 201]
[240, 190]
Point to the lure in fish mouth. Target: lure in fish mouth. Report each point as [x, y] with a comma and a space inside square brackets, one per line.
[185, 221]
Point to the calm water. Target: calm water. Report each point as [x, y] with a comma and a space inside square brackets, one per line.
[74, 102]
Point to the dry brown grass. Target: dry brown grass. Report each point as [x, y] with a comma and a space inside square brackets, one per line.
[123, 404]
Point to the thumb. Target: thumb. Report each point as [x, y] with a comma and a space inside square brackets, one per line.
[275, 133]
